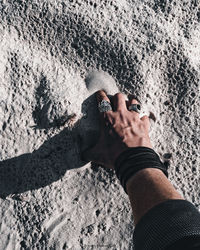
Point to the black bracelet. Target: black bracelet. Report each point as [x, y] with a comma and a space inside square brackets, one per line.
[132, 160]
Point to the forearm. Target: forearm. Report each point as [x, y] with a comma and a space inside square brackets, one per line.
[144, 178]
[147, 188]
[163, 219]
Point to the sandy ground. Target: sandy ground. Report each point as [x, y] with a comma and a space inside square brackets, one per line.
[50, 199]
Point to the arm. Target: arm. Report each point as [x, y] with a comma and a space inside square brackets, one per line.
[155, 202]
[146, 189]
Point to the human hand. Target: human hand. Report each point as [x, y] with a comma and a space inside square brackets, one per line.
[120, 129]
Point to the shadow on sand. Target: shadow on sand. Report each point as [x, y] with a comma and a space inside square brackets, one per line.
[50, 162]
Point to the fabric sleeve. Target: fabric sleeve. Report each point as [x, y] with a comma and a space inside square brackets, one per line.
[167, 226]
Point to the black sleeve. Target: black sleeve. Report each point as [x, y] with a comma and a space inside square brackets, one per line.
[173, 224]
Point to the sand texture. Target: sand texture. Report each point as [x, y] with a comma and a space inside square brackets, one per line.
[50, 199]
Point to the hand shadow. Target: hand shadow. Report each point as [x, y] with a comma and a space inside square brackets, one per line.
[57, 155]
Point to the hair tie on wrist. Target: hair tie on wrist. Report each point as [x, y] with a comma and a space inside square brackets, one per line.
[132, 160]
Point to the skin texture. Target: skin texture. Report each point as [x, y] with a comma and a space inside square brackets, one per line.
[122, 129]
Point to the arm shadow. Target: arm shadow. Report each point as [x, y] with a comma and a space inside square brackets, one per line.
[53, 158]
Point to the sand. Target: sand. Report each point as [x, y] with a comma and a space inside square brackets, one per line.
[50, 198]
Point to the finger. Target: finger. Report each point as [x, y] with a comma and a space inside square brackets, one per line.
[102, 96]
[146, 121]
[131, 97]
[134, 101]
[119, 102]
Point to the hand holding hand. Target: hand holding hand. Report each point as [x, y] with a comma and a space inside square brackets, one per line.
[120, 129]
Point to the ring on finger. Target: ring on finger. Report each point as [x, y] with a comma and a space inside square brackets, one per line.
[104, 106]
[135, 107]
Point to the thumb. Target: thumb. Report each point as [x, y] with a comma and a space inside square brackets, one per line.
[91, 154]
[86, 155]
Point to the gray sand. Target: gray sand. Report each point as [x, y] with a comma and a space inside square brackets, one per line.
[50, 198]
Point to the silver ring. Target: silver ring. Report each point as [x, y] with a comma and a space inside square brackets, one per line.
[104, 106]
[135, 107]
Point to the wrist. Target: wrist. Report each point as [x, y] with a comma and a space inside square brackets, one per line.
[134, 160]
[138, 142]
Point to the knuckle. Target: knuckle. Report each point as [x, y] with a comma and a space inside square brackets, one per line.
[135, 118]
[119, 95]
[145, 118]
[134, 101]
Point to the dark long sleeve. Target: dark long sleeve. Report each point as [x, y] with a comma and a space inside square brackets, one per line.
[173, 224]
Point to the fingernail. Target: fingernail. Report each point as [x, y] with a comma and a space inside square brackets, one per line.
[131, 96]
[101, 90]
